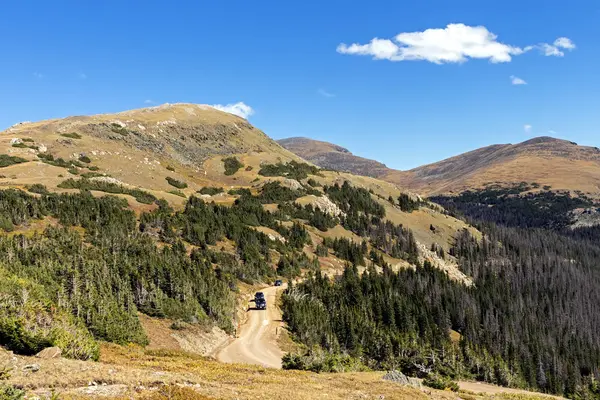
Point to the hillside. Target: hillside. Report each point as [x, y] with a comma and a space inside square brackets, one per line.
[331, 156]
[151, 226]
[557, 163]
[148, 238]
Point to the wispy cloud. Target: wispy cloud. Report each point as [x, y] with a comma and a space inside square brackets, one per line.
[148, 101]
[556, 49]
[240, 109]
[325, 93]
[552, 132]
[82, 76]
[515, 80]
[456, 43]
[38, 75]
[527, 128]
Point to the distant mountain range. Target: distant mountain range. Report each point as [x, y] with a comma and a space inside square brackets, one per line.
[548, 161]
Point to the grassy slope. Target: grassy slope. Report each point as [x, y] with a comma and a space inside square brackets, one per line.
[130, 372]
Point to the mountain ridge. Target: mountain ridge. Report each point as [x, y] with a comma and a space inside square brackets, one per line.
[548, 161]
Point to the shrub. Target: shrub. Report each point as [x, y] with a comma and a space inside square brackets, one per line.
[176, 183]
[38, 188]
[91, 175]
[116, 128]
[27, 140]
[8, 392]
[71, 135]
[439, 382]
[232, 165]
[85, 159]
[108, 187]
[293, 170]
[177, 193]
[240, 192]
[28, 324]
[313, 183]
[170, 168]
[20, 145]
[210, 190]
[93, 168]
[6, 224]
[6, 160]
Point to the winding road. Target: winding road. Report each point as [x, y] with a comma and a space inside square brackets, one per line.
[256, 342]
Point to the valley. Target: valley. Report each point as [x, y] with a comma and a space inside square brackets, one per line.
[132, 242]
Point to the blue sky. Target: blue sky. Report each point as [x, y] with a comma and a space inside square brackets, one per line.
[433, 90]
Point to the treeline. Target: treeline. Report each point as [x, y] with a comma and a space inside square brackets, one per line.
[513, 207]
[529, 320]
[96, 280]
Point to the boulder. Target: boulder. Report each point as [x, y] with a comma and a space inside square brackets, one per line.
[32, 368]
[50, 352]
[396, 376]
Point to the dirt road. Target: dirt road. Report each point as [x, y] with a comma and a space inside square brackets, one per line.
[256, 341]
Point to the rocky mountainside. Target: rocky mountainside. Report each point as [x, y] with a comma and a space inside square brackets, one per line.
[547, 161]
[138, 147]
[152, 147]
[331, 156]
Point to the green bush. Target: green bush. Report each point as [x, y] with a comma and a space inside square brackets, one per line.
[6, 160]
[38, 188]
[176, 183]
[93, 168]
[29, 322]
[27, 140]
[177, 193]
[6, 224]
[116, 128]
[170, 168]
[20, 145]
[439, 382]
[293, 170]
[210, 190]
[8, 392]
[85, 159]
[240, 192]
[232, 165]
[71, 135]
[108, 187]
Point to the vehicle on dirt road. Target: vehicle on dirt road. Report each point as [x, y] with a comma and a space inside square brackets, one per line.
[260, 302]
[278, 282]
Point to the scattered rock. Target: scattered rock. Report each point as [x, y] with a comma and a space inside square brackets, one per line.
[327, 206]
[15, 141]
[292, 184]
[400, 378]
[396, 376]
[50, 352]
[32, 368]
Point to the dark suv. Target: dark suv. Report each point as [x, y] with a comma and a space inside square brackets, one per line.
[259, 301]
[278, 282]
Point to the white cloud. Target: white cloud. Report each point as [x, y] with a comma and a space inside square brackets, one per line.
[240, 109]
[515, 80]
[148, 101]
[325, 93]
[527, 128]
[564, 43]
[556, 49]
[456, 43]
[552, 132]
[38, 75]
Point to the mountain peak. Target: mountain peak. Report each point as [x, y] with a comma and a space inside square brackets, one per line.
[332, 156]
[546, 139]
